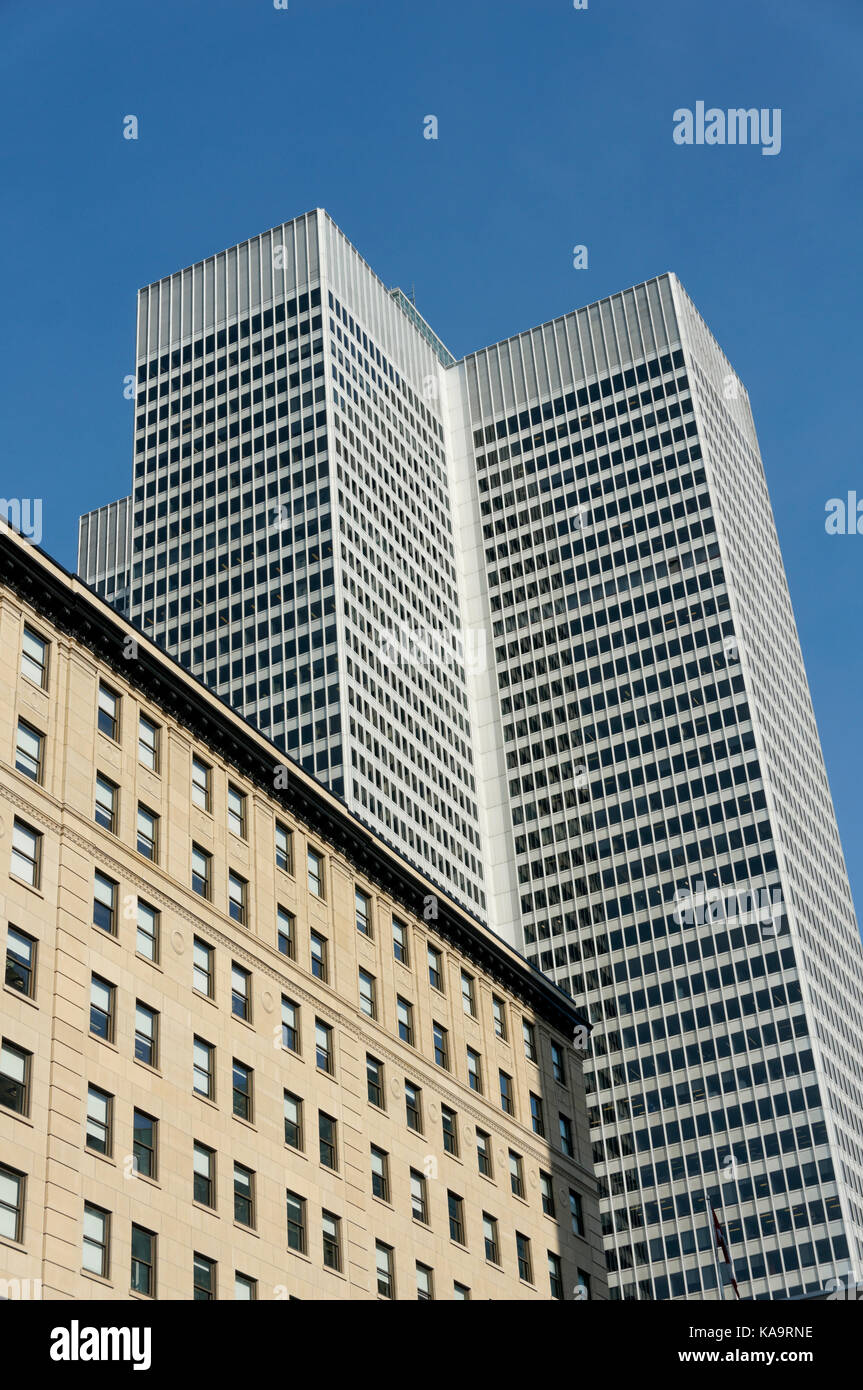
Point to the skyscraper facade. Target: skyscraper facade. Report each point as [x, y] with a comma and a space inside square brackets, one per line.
[526, 613]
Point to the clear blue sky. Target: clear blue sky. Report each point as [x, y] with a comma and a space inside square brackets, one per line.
[555, 129]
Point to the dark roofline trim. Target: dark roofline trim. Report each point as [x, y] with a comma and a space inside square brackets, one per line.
[83, 615]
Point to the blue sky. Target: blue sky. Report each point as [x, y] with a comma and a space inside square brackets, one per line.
[555, 130]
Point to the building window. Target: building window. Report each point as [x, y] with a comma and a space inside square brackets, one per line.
[460, 1293]
[557, 1066]
[323, 1046]
[546, 1187]
[109, 713]
[455, 1209]
[576, 1213]
[537, 1118]
[146, 1034]
[201, 872]
[327, 1140]
[316, 872]
[242, 1089]
[144, 1129]
[203, 1069]
[413, 1107]
[94, 1245]
[405, 1017]
[474, 1070]
[582, 1285]
[555, 1276]
[202, 967]
[525, 1263]
[284, 848]
[147, 931]
[238, 895]
[363, 908]
[375, 1081]
[498, 1013]
[98, 1122]
[20, 962]
[419, 1197]
[26, 854]
[506, 1097]
[236, 811]
[435, 962]
[34, 658]
[29, 744]
[11, 1204]
[384, 1267]
[400, 941]
[143, 1262]
[286, 924]
[367, 994]
[105, 903]
[241, 992]
[296, 1222]
[148, 833]
[204, 1176]
[483, 1153]
[202, 775]
[425, 1292]
[107, 797]
[245, 1289]
[148, 743]
[490, 1238]
[331, 1230]
[441, 1045]
[14, 1077]
[244, 1195]
[468, 994]
[203, 1279]
[293, 1121]
[318, 949]
[450, 1130]
[102, 1008]
[566, 1145]
[290, 1024]
[529, 1034]
[516, 1174]
[380, 1174]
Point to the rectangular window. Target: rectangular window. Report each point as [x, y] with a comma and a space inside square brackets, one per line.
[441, 1045]
[286, 933]
[468, 994]
[109, 713]
[242, 1090]
[483, 1153]
[143, 1278]
[405, 1017]
[204, 1175]
[474, 1070]
[245, 1289]
[367, 994]
[238, 898]
[20, 962]
[529, 1034]
[144, 1130]
[498, 1013]
[244, 1195]
[461, 1293]
[506, 1096]
[419, 1197]
[201, 872]
[363, 908]
[293, 1121]
[203, 1279]
[384, 1267]
[148, 743]
[557, 1066]
[566, 1145]
[146, 1034]
[546, 1187]
[555, 1276]
[201, 784]
[525, 1263]
[576, 1214]
[327, 1140]
[316, 872]
[413, 1107]
[490, 1238]
[318, 951]
[203, 1082]
[332, 1239]
[98, 1122]
[95, 1238]
[105, 903]
[296, 1222]
[102, 1008]
[34, 658]
[107, 797]
[435, 963]
[455, 1208]
[375, 1081]
[425, 1287]
[241, 992]
[148, 833]
[26, 859]
[400, 941]
[236, 811]
[582, 1286]
[449, 1128]
[29, 744]
[516, 1174]
[537, 1118]
[380, 1174]
[147, 931]
[284, 848]
[14, 1077]
[202, 967]
[323, 1046]
[11, 1204]
[290, 1024]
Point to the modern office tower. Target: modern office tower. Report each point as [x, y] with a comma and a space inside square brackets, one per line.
[104, 536]
[246, 1050]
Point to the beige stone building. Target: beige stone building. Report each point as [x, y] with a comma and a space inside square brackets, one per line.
[247, 1050]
